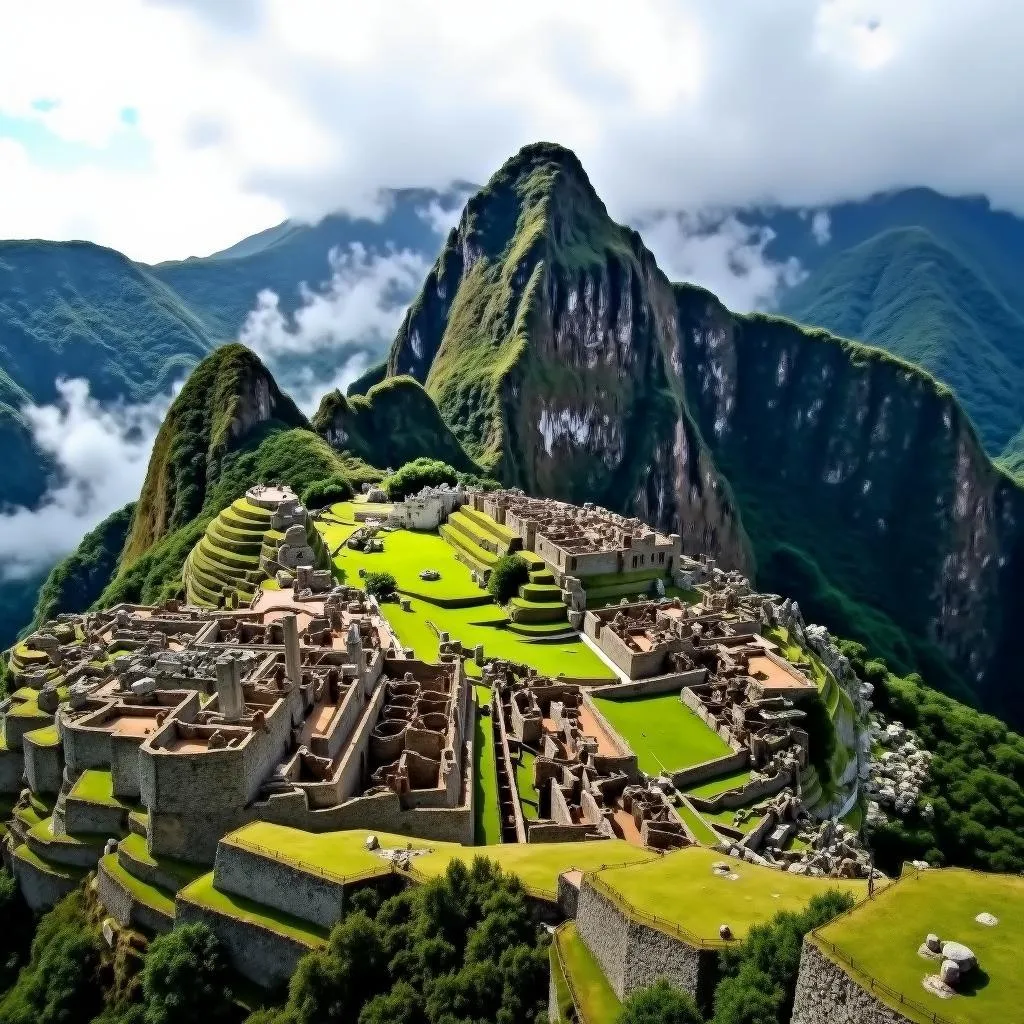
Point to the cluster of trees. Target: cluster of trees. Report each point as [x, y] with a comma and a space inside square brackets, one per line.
[380, 585]
[975, 785]
[328, 491]
[508, 574]
[416, 475]
[459, 949]
[757, 979]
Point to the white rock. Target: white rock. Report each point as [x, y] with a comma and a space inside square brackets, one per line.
[989, 920]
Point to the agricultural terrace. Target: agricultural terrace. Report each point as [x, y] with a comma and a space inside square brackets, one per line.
[344, 854]
[454, 603]
[663, 732]
[599, 1003]
[486, 814]
[882, 938]
[681, 889]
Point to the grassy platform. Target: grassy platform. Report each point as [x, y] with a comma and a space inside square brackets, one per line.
[202, 893]
[699, 828]
[96, 786]
[184, 873]
[720, 785]
[529, 798]
[663, 732]
[486, 816]
[882, 936]
[598, 1002]
[48, 736]
[151, 896]
[681, 889]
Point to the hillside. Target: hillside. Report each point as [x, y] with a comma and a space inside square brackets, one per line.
[394, 423]
[540, 334]
[906, 292]
[564, 361]
[227, 397]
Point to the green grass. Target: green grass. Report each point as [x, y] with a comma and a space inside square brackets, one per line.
[48, 736]
[569, 657]
[720, 785]
[182, 871]
[486, 816]
[562, 993]
[725, 818]
[96, 786]
[681, 888]
[883, 936]
[663, 732]
[599, 1004]
[203, 893]
[702, 832]
[66, 871]
[529, 798]
[149, 895]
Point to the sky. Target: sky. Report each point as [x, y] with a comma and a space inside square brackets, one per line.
[170, 128]
[174, 128]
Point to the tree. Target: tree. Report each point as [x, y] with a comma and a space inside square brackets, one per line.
[508, 574]
[16, 935]
[380, 585]
[330, 489]
[420, 473]
[660, 1003]
[187, 977]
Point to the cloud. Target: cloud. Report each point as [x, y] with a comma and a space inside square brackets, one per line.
[255, 111]
[101, 453]
[336, 330]
[722, 254]
[821, 227]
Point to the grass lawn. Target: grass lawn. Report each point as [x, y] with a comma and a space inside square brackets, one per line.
[883, 936]
[471, 626]
[720, 785]
[486, 817]
[663, 732]
[203, 893]
[181, 870]
[96, 786]
[67, 871]
[529, 799]
[702, 832]
[148, 895]
[335, 534]
[48, 736]
[681, 888]
[600, 1004]
[562, 993]
[725, 818]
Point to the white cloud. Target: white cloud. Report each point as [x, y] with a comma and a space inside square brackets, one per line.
[101, 454]
[308, 388]
[364, 300]
[253, 111]
[722, 254]
[821, 227]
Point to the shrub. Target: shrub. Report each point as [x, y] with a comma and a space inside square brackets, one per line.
[508, 574]
[379, 584]
[331, 489]
[186, 977]
[416, 475]
[659, 1004]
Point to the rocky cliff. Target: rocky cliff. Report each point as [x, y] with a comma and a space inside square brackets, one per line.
[541, 334]
[567, 363]
[226, 398]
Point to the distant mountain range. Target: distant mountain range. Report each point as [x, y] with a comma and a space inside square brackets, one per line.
[933, 279]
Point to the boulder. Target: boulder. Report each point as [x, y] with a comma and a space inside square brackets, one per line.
[989, 920]
[949, 972]
[933, 943]
[961, 955]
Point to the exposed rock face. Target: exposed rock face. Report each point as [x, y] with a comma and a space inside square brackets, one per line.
[227, 396]
[541, 334]
[565, 361]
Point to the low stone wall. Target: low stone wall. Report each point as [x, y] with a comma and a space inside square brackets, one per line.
[826, 994]
[553, 832]
[749, 792]
[652, 686]
[265, 957]
[12, 770]
[696, 705]
[44, 766]
[697, 773]
[125, 909]
[634, 955]
[85, 816]
[41, 889]
[568, 895]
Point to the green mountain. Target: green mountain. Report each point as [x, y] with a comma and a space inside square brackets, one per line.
[906, 292]
[566, 363]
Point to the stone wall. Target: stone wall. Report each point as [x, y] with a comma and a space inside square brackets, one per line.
[652, 686]
[44, 766]
[697, 773]
[826, 994]
[12, 769]
[41, 889]
[86, 816]
[265, 957]
[634, 955]
[125, 909]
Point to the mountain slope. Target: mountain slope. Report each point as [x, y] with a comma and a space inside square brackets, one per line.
[394, 423]
[227, 397]
[907, 293]
[540, 333]
[564, 360]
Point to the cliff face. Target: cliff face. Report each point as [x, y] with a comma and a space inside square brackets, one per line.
[541, 332]
[228, 396]
[566, 363]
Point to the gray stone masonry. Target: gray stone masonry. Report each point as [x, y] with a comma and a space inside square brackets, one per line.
[125, 909]
[826, 994]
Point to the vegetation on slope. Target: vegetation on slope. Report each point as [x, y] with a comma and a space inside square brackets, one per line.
[394, 423]
[226, 397]
[78, 580]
